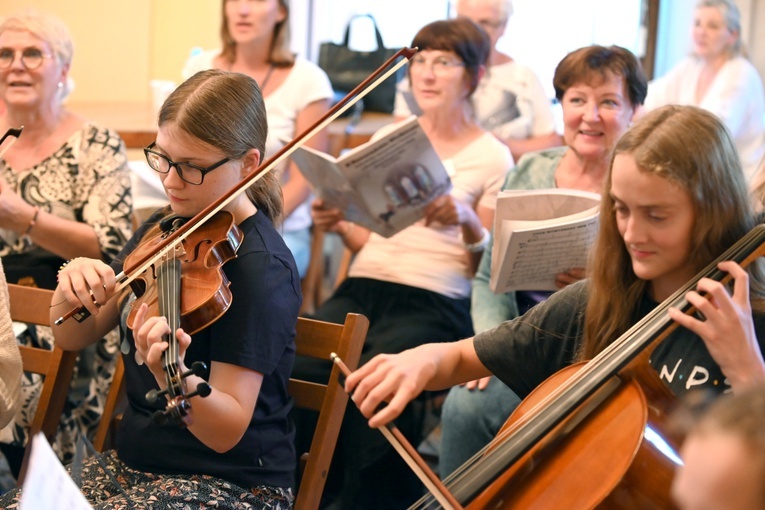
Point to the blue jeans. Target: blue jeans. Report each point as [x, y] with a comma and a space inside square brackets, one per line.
[299, 243]
[469, 421]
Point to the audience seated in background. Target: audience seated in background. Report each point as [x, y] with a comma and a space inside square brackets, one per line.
[415, 285]
[718, 77]
[64, 193]
[510, 101]
[256, 42]
[233, 452]
[600, 89]
[724, 456]
[675, 198]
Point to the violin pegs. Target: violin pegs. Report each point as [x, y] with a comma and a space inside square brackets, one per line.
[159, 418]
[153, 395]
[203, 390]
[197, 368]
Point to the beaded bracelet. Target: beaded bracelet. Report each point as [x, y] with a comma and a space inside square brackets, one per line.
[33, 221]
[61, 267]
[481, 244]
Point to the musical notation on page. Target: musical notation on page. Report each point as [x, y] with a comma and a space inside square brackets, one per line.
[539, 234]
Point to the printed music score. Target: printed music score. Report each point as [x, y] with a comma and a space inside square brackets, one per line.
[47, 484]
[539, 234]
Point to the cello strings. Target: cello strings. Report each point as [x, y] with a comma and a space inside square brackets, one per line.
[632, 341]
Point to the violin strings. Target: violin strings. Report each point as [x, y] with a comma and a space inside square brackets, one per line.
[626, 345]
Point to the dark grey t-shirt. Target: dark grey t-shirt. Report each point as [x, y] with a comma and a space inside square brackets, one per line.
[525, 351]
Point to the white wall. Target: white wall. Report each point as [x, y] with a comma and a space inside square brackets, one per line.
[120, 46]
[539, 34]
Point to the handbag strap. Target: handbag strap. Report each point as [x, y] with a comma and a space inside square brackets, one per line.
[378, 35]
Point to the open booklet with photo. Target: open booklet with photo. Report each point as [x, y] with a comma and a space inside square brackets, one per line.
[383, 185]
[539, 234]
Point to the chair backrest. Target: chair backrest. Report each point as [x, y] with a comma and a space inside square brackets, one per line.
[317, 339]
[113, 408]
[31, 305]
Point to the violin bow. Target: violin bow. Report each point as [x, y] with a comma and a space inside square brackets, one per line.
[410, 456]
[15, 134]
[362, 89]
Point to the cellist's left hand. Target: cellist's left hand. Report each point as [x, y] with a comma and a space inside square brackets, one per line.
[728, 328]
[149, 344]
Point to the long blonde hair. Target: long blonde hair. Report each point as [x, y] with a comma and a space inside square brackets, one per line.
[692, 148]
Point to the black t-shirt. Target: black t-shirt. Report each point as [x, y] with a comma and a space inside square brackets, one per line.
[525, 351]
[257, 332]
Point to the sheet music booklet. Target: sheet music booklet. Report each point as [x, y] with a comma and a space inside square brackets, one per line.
[47, 484]
[539, 234]
[383, 185]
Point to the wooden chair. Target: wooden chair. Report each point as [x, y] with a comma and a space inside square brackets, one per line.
[113, 408]
[31, 305]
[315, 339]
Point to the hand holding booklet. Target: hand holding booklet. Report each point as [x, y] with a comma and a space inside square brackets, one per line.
[383, 185]
[539, 234]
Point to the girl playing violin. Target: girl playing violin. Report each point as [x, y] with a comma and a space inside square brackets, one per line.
[675, 199]
[238, 448]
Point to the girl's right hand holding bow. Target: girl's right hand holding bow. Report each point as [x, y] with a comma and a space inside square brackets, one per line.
[87, 282]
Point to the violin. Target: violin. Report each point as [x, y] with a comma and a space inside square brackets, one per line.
[197, 262]
[594, 434]
[179, 263]
[166, 245]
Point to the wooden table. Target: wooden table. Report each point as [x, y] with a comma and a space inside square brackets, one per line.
[136, 123]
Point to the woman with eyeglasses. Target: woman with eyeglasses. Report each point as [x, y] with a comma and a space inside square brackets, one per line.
[237, 448]
[510, 100]
[64, 193]
[415, 285]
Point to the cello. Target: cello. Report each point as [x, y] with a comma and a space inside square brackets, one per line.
[595, 434]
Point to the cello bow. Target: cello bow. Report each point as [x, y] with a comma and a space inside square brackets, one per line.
[626, 358]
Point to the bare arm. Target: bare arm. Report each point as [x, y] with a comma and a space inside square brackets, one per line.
[448, 210]
[399, 378]
[220, 419]
[65, 238]
[296, 189]
[354, 236]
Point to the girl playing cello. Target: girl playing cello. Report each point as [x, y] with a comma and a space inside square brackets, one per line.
[238, 446]
[675, 199]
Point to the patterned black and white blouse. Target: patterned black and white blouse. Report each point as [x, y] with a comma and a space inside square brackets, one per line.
[87, 180]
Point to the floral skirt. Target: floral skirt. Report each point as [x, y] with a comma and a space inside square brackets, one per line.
[126, 488]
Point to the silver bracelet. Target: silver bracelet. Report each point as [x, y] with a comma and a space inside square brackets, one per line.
[481, 244]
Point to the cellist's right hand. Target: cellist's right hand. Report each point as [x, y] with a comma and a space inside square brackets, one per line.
[393, 378]
[88, 283]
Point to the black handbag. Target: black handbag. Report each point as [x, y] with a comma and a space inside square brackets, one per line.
[346, 68]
